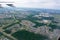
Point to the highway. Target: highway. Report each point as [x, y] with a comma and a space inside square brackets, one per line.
[8, 35]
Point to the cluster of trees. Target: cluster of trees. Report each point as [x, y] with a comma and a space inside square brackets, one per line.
[25, 35]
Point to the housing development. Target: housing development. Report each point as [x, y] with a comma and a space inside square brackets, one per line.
[29, 23]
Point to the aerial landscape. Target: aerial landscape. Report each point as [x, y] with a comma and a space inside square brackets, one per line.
[20, 23]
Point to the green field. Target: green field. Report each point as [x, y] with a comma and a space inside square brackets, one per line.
[25, 35]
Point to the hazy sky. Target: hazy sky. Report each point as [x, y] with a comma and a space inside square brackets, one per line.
[51, 4]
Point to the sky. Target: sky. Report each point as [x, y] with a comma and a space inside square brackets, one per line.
[50, 4]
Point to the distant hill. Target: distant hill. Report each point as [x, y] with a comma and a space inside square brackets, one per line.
[35, 10]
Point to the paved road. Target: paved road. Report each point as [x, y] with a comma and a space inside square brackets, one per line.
[8, 35]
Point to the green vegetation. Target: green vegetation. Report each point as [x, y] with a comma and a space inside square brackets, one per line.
[34, 20]
[9, 25]
[5, 21]
[53, 26]
[1, 34]
[25, 35]
[16, 21]
[8, 31]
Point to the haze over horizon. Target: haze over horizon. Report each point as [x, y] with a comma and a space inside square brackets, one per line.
[50, 4]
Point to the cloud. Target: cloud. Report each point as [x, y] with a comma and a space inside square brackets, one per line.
[53, 4]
